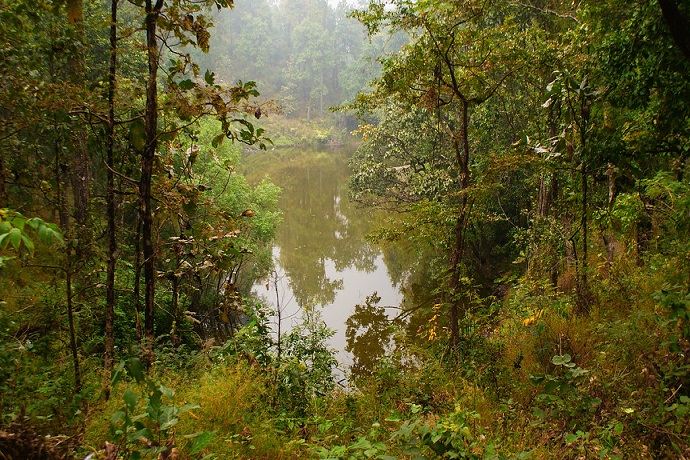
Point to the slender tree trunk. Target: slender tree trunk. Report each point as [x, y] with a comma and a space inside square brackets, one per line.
[60, 173]
[110, 199]
[81, 164]
[585, 224]
[643, 230]
[552, 194]
[543, 200]
[136, 290]
[582, 285]
[72, 330]
[174, 337]
[608, 233]
[321, 95]
[454, 282]
[279, 314]
[3, 187]
[462, 156]
[147, 160]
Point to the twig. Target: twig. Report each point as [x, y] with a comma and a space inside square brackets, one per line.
[674, 393]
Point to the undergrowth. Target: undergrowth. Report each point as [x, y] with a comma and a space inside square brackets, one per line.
[540, 384]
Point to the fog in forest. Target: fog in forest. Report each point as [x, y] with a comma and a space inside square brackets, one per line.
[307, 55]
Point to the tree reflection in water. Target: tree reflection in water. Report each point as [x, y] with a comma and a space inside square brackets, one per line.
[368, 332]
[322, 255]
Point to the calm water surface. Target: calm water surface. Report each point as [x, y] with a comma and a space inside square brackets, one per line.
[321, 256]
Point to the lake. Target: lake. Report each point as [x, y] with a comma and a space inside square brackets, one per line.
[322, 258]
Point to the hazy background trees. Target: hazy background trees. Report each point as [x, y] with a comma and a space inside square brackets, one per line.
[307, 54]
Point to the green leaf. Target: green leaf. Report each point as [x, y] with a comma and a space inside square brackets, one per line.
[209, 77]
[44, 233]
[370, 452]
[166, 391]
[537, 379]
[618, 428]
[54, 233]
[28, 243]
[578, 372]
[571, 438]
[18, 222]
[201, 440]
[137, 135]
[217, 140]
[35, 223]
[15, 237]
[117, 417]
[186, 85]
[551, 386]
[560, 360]
[187, 407]
[130, 399]
[135, 368]
[362, 443]
[169, 423]
[117, 373]
[142, 433]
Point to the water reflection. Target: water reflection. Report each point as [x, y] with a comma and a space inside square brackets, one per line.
[321, 255]
[368, 331]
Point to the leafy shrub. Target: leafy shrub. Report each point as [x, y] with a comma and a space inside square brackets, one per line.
[145, 425]
[563, 397]
[301, 369]
[305, 370]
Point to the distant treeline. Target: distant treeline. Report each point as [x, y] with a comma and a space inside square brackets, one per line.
[305, 54]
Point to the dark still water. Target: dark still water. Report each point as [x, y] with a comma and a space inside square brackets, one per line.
[321, 256]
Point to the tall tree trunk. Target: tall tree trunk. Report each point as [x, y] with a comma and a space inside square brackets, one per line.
[321, 95]
[72, 330]
[175, 310]
[81, 164]
[3, 187]
[136, 290]
[608, 232]
[582, 285]
[543, 200]
[454, 281]
[110, 200]
[547, 183]
[61, 194]
[680, 31]
[643, 230]
[147, 160]
[552, 195]
[462, 157]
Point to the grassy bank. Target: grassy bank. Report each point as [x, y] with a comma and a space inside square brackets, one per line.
[290, 132]
[536, 382]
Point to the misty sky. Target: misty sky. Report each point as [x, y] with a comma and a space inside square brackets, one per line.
[334, 3]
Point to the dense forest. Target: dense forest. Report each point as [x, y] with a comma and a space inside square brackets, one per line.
[532, 159]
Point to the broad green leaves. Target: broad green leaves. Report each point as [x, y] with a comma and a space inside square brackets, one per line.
[146, 424]
[13, 232]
